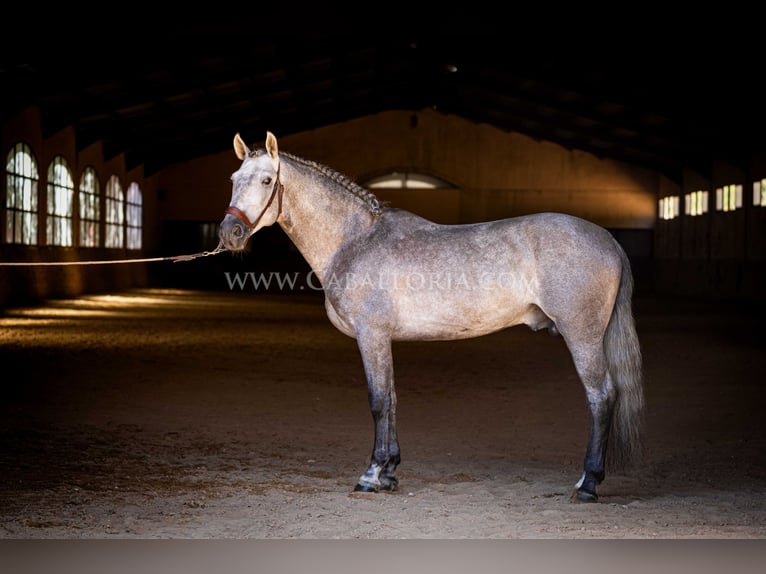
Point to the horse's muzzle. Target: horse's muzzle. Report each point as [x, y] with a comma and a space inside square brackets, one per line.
[233, 233]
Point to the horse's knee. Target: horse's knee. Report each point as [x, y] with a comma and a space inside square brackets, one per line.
[381, 403]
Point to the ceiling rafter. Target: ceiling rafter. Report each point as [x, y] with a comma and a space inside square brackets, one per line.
[659, 111]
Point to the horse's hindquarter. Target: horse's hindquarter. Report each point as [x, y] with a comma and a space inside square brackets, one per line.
[579, 268]
[420, 280]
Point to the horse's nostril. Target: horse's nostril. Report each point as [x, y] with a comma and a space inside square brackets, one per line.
[237, 231]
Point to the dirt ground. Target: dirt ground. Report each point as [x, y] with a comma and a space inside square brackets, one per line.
[191, 414]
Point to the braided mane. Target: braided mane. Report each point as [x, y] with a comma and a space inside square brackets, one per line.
[374, 205]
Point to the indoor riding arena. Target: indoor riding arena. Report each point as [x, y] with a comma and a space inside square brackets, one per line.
[181, 360]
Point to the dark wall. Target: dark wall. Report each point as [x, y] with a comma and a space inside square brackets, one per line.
[717, 254]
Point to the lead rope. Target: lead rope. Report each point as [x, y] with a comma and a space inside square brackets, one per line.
[175, 259]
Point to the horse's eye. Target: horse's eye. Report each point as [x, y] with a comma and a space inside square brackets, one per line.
[266, 181]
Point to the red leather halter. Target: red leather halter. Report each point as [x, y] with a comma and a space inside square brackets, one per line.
[276, 191]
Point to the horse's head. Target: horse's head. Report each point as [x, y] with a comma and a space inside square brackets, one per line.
[255, 185]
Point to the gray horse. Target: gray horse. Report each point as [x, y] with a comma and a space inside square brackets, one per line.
[389, 275]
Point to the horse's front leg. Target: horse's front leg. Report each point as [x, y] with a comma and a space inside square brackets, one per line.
[379, 370]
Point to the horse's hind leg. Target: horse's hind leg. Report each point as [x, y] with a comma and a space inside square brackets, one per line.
[378, 366]
[600, 392]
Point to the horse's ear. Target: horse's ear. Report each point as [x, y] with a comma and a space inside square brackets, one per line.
[271, 145]
[239, 147]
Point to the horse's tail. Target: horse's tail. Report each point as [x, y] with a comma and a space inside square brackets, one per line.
[623, 356]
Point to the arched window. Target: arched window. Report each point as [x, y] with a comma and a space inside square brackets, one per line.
[90, 208]
[426, 195]
[21, 197]
[407, 180]
[133, 216]
[115, 213]
[58, 224]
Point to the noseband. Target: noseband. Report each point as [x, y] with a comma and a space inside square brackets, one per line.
[277, 190]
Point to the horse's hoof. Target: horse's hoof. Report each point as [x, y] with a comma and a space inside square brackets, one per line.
[389, 485]
[583, 496]
[365, 488]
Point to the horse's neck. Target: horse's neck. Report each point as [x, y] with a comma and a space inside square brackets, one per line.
[319, 218]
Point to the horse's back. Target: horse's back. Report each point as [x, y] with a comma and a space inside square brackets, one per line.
[551, 239]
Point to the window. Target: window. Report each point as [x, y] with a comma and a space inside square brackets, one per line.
[696, 203]
[669, 207]
[21, 198]
[759, 193]
[728, 197]
[58, 224]
[405, 180]
[90, 208]
[133, 216]
[115, 214]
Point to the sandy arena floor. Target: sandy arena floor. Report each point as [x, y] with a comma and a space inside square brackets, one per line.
[191, 414]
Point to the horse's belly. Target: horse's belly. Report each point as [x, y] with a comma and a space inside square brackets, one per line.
[427, 318]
